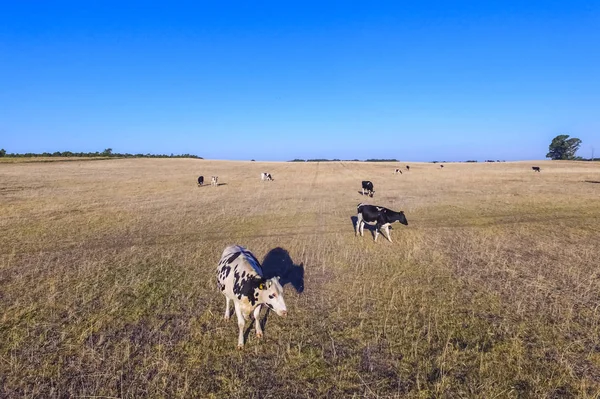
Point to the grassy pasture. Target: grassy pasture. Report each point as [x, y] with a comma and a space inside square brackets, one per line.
[107, 283]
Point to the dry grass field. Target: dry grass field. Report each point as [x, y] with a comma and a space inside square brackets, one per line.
[107, 280]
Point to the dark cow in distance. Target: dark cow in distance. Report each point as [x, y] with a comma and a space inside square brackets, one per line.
[378, 216]
[201, 180]
[407, 167]
[441, 166]
[536, 168]
[396, 171]
[368, 187]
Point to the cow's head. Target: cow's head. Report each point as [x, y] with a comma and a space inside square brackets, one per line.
[271, 294]
[372, 193]
[401, 218]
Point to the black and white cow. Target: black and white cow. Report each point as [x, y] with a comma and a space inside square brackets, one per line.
[214, 180]
[378, 216]
[266, 176]
[536, 168]
[201, 180]
[240, 278]
[398, 171]
[368, 187]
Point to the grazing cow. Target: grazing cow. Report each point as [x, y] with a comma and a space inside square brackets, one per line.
[201, 180]
[398, 171]
[265, 176]
[441, 166]
[240, 278]
[378, 216]
[214, 180]
[368, 186]
[536, 168]
[407, 167]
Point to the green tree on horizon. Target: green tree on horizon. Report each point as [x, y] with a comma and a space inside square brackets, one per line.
[563, 147]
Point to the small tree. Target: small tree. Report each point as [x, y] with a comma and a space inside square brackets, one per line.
[563, 147]
[107, 152]
[2, 152]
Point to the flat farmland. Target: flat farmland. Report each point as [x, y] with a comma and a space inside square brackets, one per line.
[108, 289]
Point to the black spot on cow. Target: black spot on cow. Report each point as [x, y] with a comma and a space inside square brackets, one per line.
[225, 272]
[233, 257]
[271, 296]
[246, 286]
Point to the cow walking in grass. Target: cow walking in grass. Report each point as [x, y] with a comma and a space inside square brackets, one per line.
[240, 278]
[379, 217]
[367, 186]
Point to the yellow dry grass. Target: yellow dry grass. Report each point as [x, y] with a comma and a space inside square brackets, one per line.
[107, 280]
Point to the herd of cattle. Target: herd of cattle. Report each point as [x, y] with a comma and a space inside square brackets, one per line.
[241, 279]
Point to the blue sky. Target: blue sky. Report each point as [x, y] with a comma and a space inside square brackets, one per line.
[277, 80]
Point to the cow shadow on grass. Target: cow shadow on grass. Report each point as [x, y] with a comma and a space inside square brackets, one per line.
[210, 185]
[278, 263]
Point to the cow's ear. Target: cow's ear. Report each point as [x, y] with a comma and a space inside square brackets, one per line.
[261, 286]
[269, 283]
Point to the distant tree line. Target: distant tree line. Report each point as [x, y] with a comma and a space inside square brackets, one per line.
[106, 153]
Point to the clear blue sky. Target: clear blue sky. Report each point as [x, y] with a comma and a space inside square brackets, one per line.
[277, 80]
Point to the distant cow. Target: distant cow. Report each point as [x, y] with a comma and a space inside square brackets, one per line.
[266, 176]
[441, 166]
[368, 187]
[240, 278]
[378, 216]
[536, 168]
[201, 180]
[407, 167]
[398, 171]
[214, 180]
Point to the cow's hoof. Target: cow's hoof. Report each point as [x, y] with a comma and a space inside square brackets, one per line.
[226, 318]
[240, 347]
[259, 334]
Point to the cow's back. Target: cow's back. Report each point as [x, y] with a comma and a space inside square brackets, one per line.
[238, 272]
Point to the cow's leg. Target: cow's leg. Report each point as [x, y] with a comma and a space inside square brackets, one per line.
[241, 323]
[259, 332]
[358, 222]
[363, 191]
[386, 233]
[376, 232]
[227, 307]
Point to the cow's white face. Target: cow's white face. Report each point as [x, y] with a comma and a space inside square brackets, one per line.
[271, 294]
